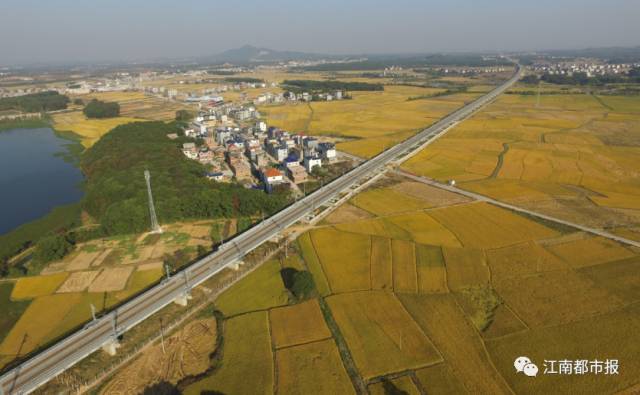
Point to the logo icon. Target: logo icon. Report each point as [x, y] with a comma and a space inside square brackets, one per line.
[524, 365]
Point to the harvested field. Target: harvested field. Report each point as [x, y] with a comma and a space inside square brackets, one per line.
[33, 287]
[554, 298]
[442, 320]
[440, 379]
[82, 261]
[345, 258]
[611, 336]
[402, 384]
[432, 275]
[247, 364]
[465, 267]
[100, 258]
[259, 290]
[405, 275]
[481, 225]
[381, 263]
[298, 324]
[346, 213]
[78, 281]
[590, 251]
[151, 266]
[313, 368]
[375, 324]
[111, 279]
[435, 197]
[186, 354]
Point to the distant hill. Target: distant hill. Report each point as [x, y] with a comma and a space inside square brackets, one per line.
[251, 54]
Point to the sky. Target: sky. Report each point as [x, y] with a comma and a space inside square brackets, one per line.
[67, 31]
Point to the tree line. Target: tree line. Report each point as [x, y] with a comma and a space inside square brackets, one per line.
[35, 102]
[100, 109]
[324, 86]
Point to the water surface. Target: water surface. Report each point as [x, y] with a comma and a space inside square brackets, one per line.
[35, 175]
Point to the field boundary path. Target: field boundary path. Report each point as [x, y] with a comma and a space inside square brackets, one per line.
[105, 330]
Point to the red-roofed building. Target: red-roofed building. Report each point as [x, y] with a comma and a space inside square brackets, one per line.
[271, 175]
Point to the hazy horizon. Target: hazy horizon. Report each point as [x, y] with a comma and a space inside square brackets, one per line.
[66, 31]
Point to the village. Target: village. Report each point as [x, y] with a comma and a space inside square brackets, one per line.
[235, 144]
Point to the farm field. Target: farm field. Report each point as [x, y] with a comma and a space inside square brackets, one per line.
[312, 368]
[571, 156]
[89, 129]
[247, 354]
[371, 121]
[103, 272]
[375, 324]
[186, 353]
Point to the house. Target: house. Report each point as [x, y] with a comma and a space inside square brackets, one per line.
[271, 176]
[311, 143]
[216, 176]
[327, 151]
[189, 150]
[312, 161]
[292, 160]
[297, 174]
[241, 169]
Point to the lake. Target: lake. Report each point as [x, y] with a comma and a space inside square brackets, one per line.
[35, 177]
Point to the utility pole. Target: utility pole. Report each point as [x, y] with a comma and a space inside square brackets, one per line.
[155, 227]
[167, 271]
[93, 311]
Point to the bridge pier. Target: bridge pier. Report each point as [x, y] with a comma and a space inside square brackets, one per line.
[236, 266]
[111, 347]
[183, 299]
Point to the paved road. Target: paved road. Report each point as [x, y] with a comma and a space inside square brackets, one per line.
[482, 198]
[64, 354]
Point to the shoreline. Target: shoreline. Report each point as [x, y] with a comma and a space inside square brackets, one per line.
[61, 216]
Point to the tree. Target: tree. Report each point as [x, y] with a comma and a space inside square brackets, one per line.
[183, 115]
[299, 282]
[100, 109]
[51, 248]
[201, 250]
[4, 267]
[78, 102]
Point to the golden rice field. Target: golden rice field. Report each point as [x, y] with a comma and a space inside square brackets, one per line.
[572, 156]
[265, 286]
[381, 335]
[312, 368]
[376, 120]
[248, 359]
[402, 383]
[345, 258]
[89, 129]
[33, 287]
[297, 324]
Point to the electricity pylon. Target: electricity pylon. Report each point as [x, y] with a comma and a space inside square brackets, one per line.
[155, 227]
